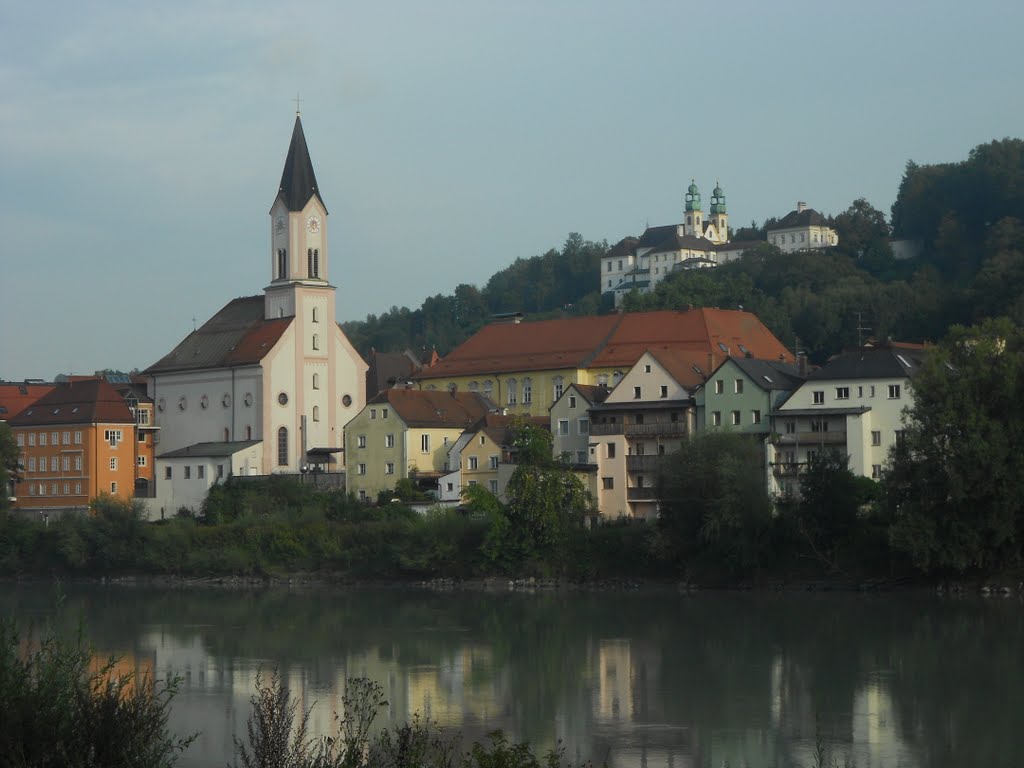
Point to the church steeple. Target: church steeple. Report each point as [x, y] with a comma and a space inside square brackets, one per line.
[298, 182]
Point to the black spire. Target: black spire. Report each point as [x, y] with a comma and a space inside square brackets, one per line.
[298, 182]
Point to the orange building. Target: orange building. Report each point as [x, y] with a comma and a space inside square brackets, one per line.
[77, 441]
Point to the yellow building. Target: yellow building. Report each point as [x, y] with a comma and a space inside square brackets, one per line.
[406, 433]
[524, 367]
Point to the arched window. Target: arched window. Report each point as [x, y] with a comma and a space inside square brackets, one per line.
[282, 263]
[313, 262]
[316, 341]
[227, 435]
[316, 314]
[474, 386]
[316, 413]
[510, 385]
[316, 381]
[488, 387]
[557, 381]
[282, 447]
[527, 391]
[248, 433]
[615, 377]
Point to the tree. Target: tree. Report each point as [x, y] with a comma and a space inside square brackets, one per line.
[956, 484]
[10, 464]
[714, 503]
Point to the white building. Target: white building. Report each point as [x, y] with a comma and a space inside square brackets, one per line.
[854, 404]
[802, 229]
[274, 369]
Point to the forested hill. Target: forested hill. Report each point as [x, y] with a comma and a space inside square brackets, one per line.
[968, 218]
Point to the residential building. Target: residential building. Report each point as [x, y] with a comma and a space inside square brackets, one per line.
[484, 456]
[802, 229]
[395, 369]
[570, 421]
[854, 404]
[78, 441]
[16, 396]
[649, 414]
[740, 394]
[406, 433]
[524, 367]
[274, 368]
[188, 473]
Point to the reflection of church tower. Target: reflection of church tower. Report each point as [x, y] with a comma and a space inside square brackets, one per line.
[718, 215]
[694, 226]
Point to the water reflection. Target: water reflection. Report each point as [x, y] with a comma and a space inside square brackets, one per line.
[652, 679]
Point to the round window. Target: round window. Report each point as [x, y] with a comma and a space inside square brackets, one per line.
[248, 398]
[346, 400]
[282, 399]
[204, 402]
[161, 404]
[182, 403]
[226, 400]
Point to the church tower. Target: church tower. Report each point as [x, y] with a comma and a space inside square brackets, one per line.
[693, 222]
[298, 239]
[719, 217]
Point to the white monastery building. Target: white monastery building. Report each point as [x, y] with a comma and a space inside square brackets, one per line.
[269, 382]
[802, 229]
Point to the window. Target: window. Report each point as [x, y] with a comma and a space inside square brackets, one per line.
[32, 438]
[361, 441]
[31, 463]
[876, 437]
[42, 438]
[472, 483]
[389, 441]
[383, 413]
[316, 381]
[425, 443]
[248, 432]
[201, 472]
[719, 386]
[860, 391]
[316, 341]
[636, 393]
[871, 392]
[735, 418]
[361, 469]
[790, 427]
[282, 263]
[66, 438]
[716, 418]
[168, 473]
[755, 417]
[572, 401]
[54, 438]
[737, 386]
[21, 440]
[493, 486]
[609, 267]
[78, 488]
[316, 314]
[112, 436]
[493, 462]
[482, 439]
[282, 447]
[78, 463]
[894, 391]
[362, 495]
[876, 471]
[473, 462]
[842, 393]
[527, 392]
[389, 468]
[819, 397]
[608, 483]
[316, 413]
[563, 427]
[899, 436]
[373, 413]
[488, 388]
[819, 425]
[53, 464]
[78, 438]
[313, 262]
[581, 457]
[510, 385]
[113, 463]
[113, 488]
[611, 450]
[220, 471]
[188, 472]
[584, 425]
[664, 390]
[557, 387]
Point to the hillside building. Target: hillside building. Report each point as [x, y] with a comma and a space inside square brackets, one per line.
[802, 229]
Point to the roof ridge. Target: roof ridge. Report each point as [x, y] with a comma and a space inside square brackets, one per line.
[603, 343]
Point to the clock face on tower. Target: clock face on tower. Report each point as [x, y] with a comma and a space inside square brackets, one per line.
[279, 225]
[313, 224]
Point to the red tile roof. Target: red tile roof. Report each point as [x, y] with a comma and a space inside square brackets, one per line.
[15, 397]
[608, 341]
[432, 408]
[498, 426]
[89, 401]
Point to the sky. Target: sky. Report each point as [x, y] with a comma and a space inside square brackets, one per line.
[141, 144]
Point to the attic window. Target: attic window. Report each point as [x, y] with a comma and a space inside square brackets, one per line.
[56, 411]
[75, 409]
[697, 370]
[903, 360]
[743, 349]
[28, 412]
[722, 347]
[767, 378]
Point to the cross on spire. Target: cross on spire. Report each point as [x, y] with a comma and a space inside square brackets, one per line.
[297, 101]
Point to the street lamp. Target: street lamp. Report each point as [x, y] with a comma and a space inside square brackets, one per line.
[304, 469]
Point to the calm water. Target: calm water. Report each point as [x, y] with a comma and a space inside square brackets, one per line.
[640, 679]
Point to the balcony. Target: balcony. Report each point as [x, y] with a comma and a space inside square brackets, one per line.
[641, 494]
[810, 438]
[652, 429]
[787, 469]
[643, 463]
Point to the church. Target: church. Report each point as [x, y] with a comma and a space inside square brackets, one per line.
[268, 383]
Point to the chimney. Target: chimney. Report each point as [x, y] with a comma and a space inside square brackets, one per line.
[801, 362]
[801, 206]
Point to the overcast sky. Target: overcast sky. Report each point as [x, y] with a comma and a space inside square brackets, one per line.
[141, 144]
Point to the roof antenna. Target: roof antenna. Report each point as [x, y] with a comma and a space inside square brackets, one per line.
[860, 329]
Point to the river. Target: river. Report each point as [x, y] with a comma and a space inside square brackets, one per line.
[640, 679]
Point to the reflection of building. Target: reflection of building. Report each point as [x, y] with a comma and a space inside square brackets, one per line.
[460, 685]
[615, 681]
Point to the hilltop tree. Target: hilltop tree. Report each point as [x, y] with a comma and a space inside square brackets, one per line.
[10, 463]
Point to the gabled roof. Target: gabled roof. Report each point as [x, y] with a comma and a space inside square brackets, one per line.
[769, 374]
[808, 217]
[17, 396]
[592, 393]
[498, 426]
[89, 401]
[667, 238]
[433, 408]
[888, 362]
[683, 365]
[624, 247]
[607, 341]
[237, 335]
[298, 182]
[210, 450]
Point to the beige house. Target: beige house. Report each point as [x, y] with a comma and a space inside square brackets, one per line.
[802, 229]
[407, 433]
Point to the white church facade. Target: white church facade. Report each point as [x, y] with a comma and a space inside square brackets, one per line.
[268, 384]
